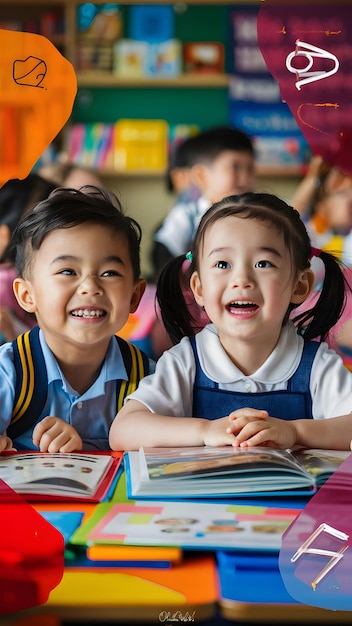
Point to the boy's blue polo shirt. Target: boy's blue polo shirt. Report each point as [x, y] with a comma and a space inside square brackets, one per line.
[91, 413]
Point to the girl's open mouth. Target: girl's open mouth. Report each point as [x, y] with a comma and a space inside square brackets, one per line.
[242, 307]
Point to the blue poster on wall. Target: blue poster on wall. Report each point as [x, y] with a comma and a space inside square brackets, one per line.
[254, 98]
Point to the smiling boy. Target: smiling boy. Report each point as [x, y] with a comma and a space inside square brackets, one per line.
[78, 260]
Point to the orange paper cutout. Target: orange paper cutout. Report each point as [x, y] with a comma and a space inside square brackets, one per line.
[37, 91]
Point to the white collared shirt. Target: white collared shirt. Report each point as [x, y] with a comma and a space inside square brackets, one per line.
[170, 390]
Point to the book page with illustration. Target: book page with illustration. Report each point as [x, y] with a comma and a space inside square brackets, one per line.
[63, 475]
[210, 471]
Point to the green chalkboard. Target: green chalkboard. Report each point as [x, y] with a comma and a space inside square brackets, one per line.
[204, 107]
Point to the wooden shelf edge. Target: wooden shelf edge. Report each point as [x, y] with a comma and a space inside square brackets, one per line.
[263, 171]
[101, 79]
[143, 173]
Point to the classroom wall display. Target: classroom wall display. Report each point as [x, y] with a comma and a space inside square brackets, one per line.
[308, 49]
[255, 101]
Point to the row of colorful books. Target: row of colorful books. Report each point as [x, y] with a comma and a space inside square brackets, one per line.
[125, 145]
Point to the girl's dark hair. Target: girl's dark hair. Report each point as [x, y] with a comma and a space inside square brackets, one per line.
[314, 323]
[65, 208]
[174, 312]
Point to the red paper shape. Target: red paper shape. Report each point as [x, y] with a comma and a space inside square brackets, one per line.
[308, 50]
[31, 554]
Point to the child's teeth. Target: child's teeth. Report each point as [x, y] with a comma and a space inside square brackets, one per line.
[88, 313]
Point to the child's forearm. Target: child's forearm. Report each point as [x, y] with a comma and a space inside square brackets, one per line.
[136, 426]
[334, 433]
[306, 191]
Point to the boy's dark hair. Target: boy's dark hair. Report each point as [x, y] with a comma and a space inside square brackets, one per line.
[65, 208]
[18, 197]
[207, 146]
[181, 156]
[313, 323]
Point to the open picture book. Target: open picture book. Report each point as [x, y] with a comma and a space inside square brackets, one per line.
[87, 477]
[200, 472]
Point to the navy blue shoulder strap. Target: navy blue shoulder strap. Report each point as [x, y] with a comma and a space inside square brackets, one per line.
[31, 382]
[299, 382]
[201, 379]
[137, 366]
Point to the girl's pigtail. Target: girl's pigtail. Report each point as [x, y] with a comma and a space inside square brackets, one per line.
[317, 321]
[170, 297]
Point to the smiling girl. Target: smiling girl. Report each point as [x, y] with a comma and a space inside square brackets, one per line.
[250, 377]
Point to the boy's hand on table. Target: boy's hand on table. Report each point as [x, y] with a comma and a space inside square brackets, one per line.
[53, 434]
[5, 443]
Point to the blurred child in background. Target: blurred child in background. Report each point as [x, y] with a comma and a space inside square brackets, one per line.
[220, 161]
[178, 177]
[324, 199]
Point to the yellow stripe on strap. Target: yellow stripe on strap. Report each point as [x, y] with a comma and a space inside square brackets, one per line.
[133, 375]
[27, 387]
[136, 373]
[122, 394]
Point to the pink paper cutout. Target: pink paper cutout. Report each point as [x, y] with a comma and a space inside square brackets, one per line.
[98, 531]
[307, 48]
[331, 506]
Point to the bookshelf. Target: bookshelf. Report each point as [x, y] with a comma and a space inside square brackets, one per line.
[104, 97]
[57, 20]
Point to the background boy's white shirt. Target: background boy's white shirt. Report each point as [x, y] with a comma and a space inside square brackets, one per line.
[179, 227]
